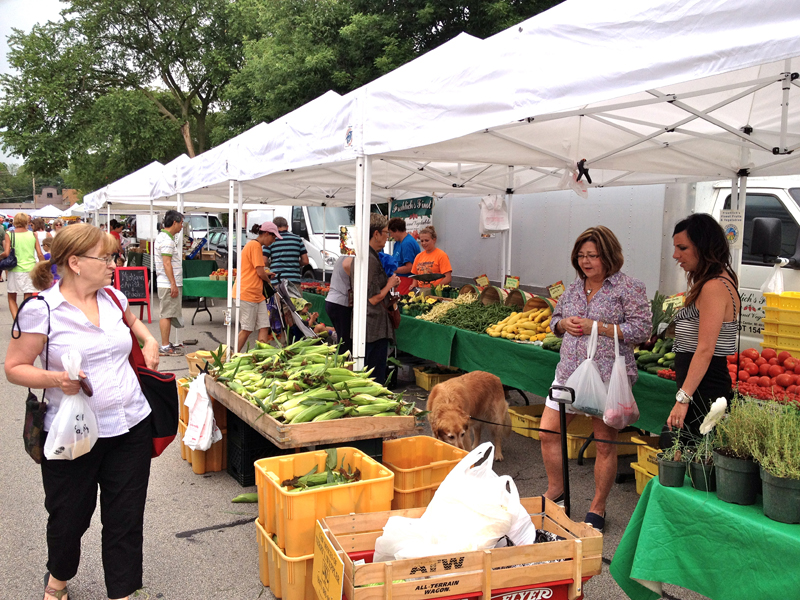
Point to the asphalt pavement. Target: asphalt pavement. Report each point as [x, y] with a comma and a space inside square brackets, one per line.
[198, 545]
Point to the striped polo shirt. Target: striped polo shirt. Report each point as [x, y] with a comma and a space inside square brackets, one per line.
[285, 256]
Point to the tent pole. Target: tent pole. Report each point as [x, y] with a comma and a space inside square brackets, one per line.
[361, 243]
[741, 205]
[108, 217]
[238, 263]
[324, 235]
[230, 267]
[787, 82]
[152, 246]
[509, 198]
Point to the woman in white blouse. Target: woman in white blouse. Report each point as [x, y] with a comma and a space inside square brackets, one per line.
[80, 314]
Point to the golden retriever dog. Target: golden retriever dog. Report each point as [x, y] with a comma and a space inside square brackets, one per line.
[453, 402]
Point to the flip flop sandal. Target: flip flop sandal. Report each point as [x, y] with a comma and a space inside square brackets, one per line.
[58, 594]
[190, 342]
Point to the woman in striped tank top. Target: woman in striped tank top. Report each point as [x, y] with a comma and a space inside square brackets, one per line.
[706, 327]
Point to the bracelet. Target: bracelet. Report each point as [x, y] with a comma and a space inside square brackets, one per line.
[682, 397]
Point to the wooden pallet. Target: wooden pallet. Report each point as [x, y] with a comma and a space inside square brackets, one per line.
[302, 435]
[579, 557]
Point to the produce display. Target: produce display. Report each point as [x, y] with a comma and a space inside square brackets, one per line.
[331, 476]
[767, 376]
[221, 274]
[532, 325]
[306, 381]
[445, 291]
[315, 287]
[659, 358]
[437, 310]
[473, 315]
[415, 304]
[552, 342]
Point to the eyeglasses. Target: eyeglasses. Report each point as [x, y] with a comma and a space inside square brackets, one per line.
[589, 256]
[107, 259]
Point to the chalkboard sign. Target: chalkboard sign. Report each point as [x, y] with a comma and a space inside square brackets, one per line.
[132, 281]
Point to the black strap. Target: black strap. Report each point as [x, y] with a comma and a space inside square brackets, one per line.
[19, 331]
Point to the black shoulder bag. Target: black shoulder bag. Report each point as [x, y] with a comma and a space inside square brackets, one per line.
[33, 431]
[10, 261]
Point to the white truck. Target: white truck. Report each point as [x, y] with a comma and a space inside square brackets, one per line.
[545, 225]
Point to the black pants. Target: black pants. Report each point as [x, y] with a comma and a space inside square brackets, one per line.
[342, 321]
[375, 355]
[121, 467]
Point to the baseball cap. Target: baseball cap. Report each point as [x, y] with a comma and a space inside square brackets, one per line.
[270, 227]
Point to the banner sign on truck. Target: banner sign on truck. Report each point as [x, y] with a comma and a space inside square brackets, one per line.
[416, 212]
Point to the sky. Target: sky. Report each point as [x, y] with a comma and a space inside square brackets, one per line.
[22, 14]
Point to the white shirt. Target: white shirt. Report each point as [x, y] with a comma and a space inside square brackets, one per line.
[167, 245]
[117, 402]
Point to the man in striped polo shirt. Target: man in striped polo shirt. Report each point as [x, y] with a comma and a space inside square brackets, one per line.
[288, 255]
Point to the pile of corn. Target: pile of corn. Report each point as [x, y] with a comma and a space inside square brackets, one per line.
[532, 325]
[441, 308]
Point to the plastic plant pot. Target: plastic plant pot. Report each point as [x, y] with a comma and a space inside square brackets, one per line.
[671, 473]
[738, 479]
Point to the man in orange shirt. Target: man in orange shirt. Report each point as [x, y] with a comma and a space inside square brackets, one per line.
[252, 306]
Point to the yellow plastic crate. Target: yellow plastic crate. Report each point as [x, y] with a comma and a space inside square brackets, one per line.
[784, 315]
[213, 460]
[582, 426]
[790, 343]
[419, 498]
[292, 515]
[647, 453]
[786, 300]
[779, 327]
[525, 417]
[793, 351]
[287, 578]
[428, 380]
[220, 412]
[642, 477]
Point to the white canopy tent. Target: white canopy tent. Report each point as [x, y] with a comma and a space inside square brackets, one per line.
[76, 210]
[47, 212]
[647, 92]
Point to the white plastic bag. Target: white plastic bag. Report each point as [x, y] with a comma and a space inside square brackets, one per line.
[494, 214]
[73, 432]
[621, 409]
[774, 285]
[590, 391]
[472, 509]
[201, 430]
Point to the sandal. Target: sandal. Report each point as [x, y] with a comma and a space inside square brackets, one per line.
[57, 594]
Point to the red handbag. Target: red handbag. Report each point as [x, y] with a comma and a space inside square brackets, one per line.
[161, 392]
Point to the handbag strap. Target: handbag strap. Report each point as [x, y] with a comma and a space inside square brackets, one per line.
[135, 358]
[19, 332]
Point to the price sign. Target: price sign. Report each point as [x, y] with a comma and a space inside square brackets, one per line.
[482, 280]
[511, 283]
[328, 573]
[556, 290]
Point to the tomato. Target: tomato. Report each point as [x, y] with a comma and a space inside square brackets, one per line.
[769, 353]
[783, 356]
[732, 367]
[791, 389]
[797, 369]
[763, 382]
[751, 368]
[764, 369]
[750, 353]
[733, 377]
[784, 380]
[790, 363]
[775, 370]
[772, 361]
[732, 358]
[761, 361]
[744, 375]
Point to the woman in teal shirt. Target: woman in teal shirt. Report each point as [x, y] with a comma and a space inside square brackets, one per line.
[26, 248]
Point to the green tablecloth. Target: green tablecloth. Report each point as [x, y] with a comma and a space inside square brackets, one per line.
[318, 306]
[427, 340]
[692, 539]
[203, 287]
[198, 268]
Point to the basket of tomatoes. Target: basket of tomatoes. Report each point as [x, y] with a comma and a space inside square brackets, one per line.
[768, 375]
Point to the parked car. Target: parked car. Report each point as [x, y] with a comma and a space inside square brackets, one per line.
[220, 246]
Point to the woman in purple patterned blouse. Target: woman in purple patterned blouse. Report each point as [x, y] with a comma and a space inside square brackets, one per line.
[604, 294]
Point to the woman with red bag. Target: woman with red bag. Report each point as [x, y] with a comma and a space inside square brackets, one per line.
[78, 313]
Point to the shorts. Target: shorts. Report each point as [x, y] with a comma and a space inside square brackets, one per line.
[20, 283]
[253, 316]
[554, 405]
[171, 308]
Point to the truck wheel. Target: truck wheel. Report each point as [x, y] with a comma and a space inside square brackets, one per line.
[308, 272]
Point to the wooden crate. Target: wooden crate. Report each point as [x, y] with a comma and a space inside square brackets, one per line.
[302, 435]
[485, 572]
[427, 380]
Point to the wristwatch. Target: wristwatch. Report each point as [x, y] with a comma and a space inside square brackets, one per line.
[682, 397]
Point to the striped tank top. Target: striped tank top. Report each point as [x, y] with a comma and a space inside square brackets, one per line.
[687, 330]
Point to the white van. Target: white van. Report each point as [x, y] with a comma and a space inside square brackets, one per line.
[545, 225]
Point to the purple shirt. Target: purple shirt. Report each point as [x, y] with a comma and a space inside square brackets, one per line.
[621, 300]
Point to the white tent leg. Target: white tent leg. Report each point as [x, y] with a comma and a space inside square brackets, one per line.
[230, 268]
[509, 198]
[152, 249]
[180, 246]
[361, 243]
[108, 216]
[238, 262]
[324, 232]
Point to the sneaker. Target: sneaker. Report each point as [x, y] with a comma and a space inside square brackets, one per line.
[170, 351]
[596, 521]
[559, 501]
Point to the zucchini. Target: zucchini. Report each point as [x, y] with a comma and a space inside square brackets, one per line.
[654, 369]
[649, 359]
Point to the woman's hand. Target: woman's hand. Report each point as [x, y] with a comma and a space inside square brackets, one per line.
[394, 281]
[677, 416]
[69, 386]
[574, 326]
[150, 352]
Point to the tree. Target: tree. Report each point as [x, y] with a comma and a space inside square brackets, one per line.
[299, 49]
[102, 48]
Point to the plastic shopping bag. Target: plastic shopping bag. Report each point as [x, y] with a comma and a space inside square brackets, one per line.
[774, 285]
[621, 409]
[472, 509]
[201, 430]
[590, 391]
[494, 214]
[73, 432]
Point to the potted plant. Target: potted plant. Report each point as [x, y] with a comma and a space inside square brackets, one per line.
[779, 456]
[737, 474]
[701, 468]
[672, 464]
